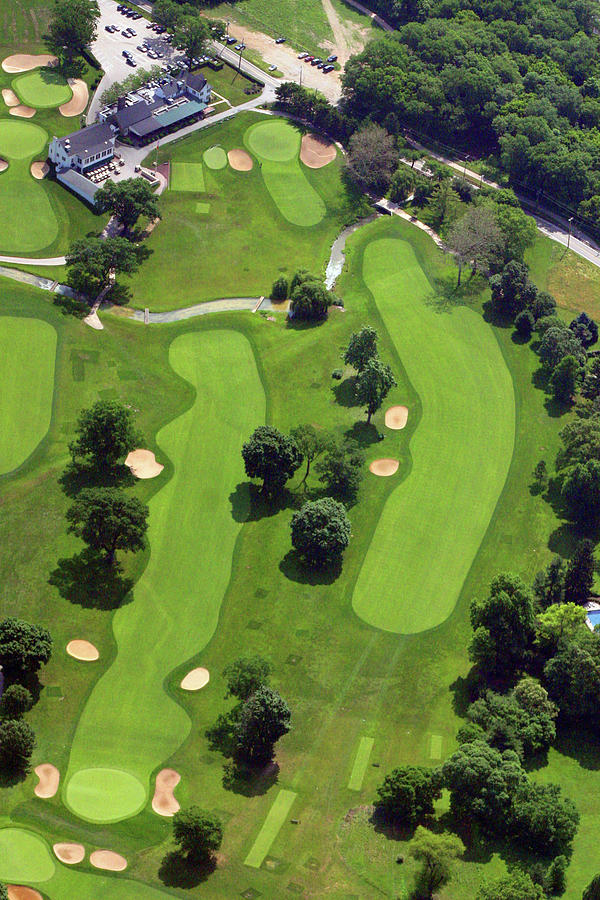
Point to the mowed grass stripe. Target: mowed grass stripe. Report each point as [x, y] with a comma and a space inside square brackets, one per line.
[296, 199]
[129, 722]
[27, 361]
[271, 828]
[361, 762]
[187, 177]
[434, 521]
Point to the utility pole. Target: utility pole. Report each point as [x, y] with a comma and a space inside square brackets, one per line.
[300, 76]
[240, 60]
[569, 238]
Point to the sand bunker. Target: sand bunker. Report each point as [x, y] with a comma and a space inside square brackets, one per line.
[24, 62]
[39, 170]
[143, 464]
[19, 892]
[396, 417]
[316, 152]
[163, 802]
[384, 466]
[10, 98]
[49, 777]
[82, 650]
[196, 679]
[69, 853]
[106, 859]
[240, 160]
[3, 165]
[78, 102]
[23, 112]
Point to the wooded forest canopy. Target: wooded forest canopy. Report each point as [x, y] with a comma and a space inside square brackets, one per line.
[518, 78]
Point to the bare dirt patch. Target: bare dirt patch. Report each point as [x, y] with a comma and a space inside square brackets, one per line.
[78, 102]
[196, 679]
[109, 860]
[143, 464]
[39, 170]
[396, 417]
[19, 892]
[240, 160]
[49, 778]
[23, 112]
[83, 651]
[384, 467]
[316, 152]
[69, 853]
[163, 802]
[24, 62]
[9, 97]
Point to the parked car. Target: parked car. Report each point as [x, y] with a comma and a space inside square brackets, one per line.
[152, 54]
[137, 15]
[308, 58]
[328, 68]
[302, 55]
[133, 32]
[141, 48]
[127, 54]
[231, 40]
[131, 62]
[108, 28]
[332, 58]
[272, 68]
[316, 61]
[280, 40]
[159, 54]
[240, 46]
[321, 65]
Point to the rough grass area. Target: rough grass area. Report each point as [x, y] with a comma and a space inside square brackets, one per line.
[302, 22]
[27, 356]
[574, 281]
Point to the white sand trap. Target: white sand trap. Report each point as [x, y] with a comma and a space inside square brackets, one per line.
[19, 892]
[69, 853]
[10, 98]
[23, 112]
[83, 651]
[316, 152]
[3, 165]
[163, 802]
[78, 102]
[196, 679]
[23, 62]
[107, 859]
[384, 466]
[240, 160]
[143, 464]
[396, 417]
[49, 777]
[39, 170]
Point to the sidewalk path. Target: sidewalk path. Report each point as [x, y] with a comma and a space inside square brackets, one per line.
[229, 304]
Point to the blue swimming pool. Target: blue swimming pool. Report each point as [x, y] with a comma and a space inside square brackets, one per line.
[594, 616]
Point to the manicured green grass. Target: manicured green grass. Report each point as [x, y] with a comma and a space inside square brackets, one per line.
[215, 158]
[228, 83]
[24, 856]
[246, 243]
[413, 574]
[176, 603]
[202, 209]
[20, 140]
[275, 140]
[187, 177]
[42, 88]
[271, 828]
[27, 358]
[104, 795]
[360, 763]
[35, 226]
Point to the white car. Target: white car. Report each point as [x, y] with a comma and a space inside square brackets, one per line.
[272, 68]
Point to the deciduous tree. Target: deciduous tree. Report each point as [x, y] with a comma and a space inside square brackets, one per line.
[198, 834]
[271, 455]
[265, 717]
[474, 239]
[245, 675]
[321, 531]
[516, 885]
[579, 574]
[372, 157]
[373, 384]
[16, 701]
[564, 379]
[128, 200]
[109, 520]
[23, 647]
[437, 853]
[340, 469]
[503, 625]
[72, 29]
[311, 444]
[17, 742]
[361, 348]
[105, 435]
[407, 795]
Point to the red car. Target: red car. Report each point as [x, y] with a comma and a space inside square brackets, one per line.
[308, 58]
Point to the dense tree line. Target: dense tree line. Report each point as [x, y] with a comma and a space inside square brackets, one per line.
[519, 80]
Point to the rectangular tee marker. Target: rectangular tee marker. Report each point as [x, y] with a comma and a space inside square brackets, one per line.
[435, 747]
[360, 763]
[270, 830]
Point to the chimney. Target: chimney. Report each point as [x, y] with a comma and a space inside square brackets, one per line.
[121, 103]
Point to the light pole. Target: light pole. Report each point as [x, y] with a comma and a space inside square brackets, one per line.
[569, 238]
[300, 75]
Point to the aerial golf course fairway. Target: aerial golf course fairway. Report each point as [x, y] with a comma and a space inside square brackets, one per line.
[433, 523]
[27, 359]
[129, 725]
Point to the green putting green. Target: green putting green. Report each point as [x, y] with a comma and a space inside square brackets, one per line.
[215, 158]
[277, 145]
[20, 140]
[27, 360]
[24, 857]
[361, 762]
[187, 177]
[129, 722]
[42, 88]
[434, 521]
[275, 140]
[88, 789]
[271, 828]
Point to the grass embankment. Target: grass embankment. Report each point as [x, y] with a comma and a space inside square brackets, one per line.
[572, 280]
[344, 680]
[229, 83]
[304, 25]
[245, 242]
[27, 355]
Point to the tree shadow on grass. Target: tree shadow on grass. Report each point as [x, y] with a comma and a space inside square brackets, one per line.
[580, 744]
[465, 691]
[345, 392]
[295, 569]
[9, 777]
[249, 504]
[178, 872]
[76, 477]
[250, 781]
[89, 581]
[364, 434]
